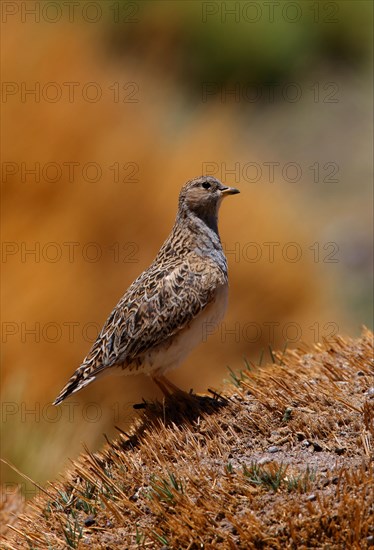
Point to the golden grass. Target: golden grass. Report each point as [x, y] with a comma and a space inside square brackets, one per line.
[282, 460]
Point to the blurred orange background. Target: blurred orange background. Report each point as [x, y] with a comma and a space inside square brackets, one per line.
[106, 112]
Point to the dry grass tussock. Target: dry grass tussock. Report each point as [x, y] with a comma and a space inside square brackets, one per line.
[281, 461]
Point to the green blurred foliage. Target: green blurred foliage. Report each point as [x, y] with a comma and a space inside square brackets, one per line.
[252, 41]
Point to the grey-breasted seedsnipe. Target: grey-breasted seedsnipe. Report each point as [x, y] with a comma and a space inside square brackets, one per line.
[164, 313]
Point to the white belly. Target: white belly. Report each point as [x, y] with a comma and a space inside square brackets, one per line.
[173, 352]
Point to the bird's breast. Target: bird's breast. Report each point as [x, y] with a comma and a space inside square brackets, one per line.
[175, 349]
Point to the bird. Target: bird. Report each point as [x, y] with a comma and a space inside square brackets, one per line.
[166, 311]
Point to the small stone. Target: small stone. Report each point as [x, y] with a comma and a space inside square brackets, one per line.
[332, 480]
[263, 460]
[273, 449]
[90, 520]
[317, 447]
[227, 525]
[340, 450]
[136, 495]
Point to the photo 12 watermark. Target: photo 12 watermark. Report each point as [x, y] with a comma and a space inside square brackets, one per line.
[11, 490]
[271, 11]
[49, 332]
[272, 171]
[69, 171]
[290, 252]
[68, 411]
[54, 252]
[252, 332]
[270, 93]
[70, 11]
[68, 92]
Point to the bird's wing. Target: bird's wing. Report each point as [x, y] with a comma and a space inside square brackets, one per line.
[159, 304]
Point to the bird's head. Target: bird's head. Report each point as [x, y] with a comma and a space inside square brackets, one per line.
[203, 196]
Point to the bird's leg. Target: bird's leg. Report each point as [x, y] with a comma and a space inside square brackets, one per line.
[161, 384]
[169, 384]
[165, 385]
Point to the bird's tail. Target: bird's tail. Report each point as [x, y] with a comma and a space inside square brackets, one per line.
[81, 378]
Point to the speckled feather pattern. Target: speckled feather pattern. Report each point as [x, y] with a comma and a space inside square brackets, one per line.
[186, 278]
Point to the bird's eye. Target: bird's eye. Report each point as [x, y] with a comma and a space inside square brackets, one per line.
[206, 185]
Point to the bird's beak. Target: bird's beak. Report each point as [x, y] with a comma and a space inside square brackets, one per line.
[229, 191]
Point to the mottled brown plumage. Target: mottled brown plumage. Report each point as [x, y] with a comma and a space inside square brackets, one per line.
[163, 314]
